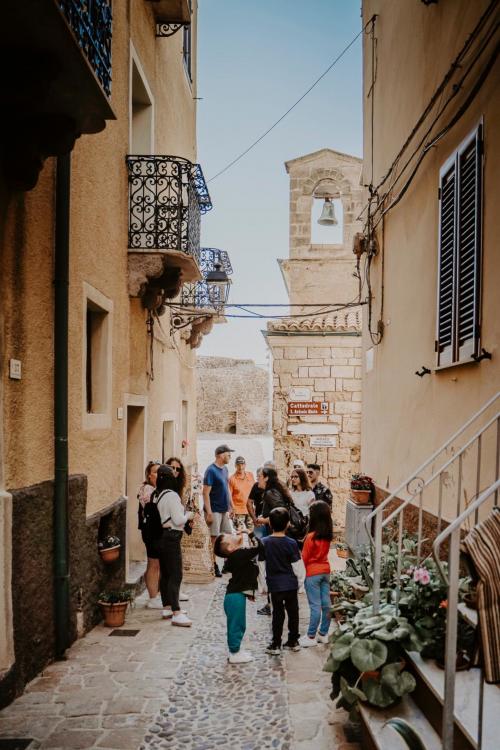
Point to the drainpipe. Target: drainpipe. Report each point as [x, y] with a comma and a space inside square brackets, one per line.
[61, 289]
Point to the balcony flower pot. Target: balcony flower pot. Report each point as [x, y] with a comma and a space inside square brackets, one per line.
[342, 551]
[113, 606]
[361, 497]
[109, 548]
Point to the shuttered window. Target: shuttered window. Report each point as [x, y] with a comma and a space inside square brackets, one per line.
[459, 268]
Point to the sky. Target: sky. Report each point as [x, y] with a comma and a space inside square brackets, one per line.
[255, 59]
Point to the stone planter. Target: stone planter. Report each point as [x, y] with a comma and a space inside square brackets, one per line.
[113, 614]
[361, 497]
[110, 554]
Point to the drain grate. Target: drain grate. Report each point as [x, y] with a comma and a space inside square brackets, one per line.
[14, 743]
[123, 633]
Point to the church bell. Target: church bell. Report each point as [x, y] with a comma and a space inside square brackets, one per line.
[327, 217]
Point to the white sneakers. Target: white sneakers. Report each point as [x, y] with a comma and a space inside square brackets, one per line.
[181, 620]
[154, 603]
[166, 614]
[306, 642]
[322, 638]
[240, 657]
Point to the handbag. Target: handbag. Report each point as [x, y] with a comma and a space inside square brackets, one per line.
[298, 522]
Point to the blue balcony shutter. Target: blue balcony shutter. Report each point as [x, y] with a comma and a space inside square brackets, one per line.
[446, 270]
[469, 247]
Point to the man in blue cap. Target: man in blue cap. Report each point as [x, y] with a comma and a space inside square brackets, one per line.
[217, 501]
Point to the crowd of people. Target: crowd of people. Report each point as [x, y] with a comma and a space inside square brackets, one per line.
[273, 536]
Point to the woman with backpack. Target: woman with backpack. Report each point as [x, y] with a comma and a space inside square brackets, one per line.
[172, 518]
[276, 495]
[301, 491]
[152, 574]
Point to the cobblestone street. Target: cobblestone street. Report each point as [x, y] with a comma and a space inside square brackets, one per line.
[169, 687]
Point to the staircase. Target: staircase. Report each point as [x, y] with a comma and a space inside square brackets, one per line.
[457, 487]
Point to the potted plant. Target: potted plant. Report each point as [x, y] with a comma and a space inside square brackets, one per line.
[342, 550]
[361, 489]
[367, 658]
[113, 606]
[109, 548]
[340, 590]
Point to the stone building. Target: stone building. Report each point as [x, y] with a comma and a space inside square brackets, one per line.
[99, 233]
[317, 357]
[233, 396]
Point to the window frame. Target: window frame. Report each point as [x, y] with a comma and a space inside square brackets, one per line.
[455, 354]
[97, 419]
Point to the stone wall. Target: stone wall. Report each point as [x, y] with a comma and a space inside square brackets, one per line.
[232, 395]
[329, 365]
[33, 574]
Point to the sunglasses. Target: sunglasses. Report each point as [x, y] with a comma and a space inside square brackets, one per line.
[310, 471]
[175, 468]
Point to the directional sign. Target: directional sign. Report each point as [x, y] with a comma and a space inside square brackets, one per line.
[305, 408]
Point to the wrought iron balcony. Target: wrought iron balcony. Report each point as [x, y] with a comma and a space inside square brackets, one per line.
[203, 295]
[167, 197]
[90, 22]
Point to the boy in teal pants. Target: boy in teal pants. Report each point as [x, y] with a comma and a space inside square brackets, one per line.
[241, 562]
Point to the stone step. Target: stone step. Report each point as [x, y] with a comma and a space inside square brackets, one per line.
[429, 695]
[378, 736]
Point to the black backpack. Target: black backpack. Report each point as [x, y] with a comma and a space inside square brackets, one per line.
[298, 522]
[151, 525]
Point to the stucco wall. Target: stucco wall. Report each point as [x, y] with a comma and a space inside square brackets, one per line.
[233, 396]
[405, 418]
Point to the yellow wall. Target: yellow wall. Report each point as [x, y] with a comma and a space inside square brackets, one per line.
[98, 257]
[405, 418]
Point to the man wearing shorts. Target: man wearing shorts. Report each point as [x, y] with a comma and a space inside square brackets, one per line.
[217, 498]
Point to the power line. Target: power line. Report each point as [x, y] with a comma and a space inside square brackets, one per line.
[261, 137]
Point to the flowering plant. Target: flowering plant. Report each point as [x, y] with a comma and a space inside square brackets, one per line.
[361, 482]
[108, 541]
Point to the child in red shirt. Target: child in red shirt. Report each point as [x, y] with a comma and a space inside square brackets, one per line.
[317, 583]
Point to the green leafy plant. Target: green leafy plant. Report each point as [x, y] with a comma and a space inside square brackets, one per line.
[339, 583]
[116, 597]
[367, 657]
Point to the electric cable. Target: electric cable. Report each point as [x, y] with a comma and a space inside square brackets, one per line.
[261, 137]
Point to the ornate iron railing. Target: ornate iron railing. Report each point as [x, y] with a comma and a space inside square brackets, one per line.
[167, 196]
[90, 22]
[202, 295]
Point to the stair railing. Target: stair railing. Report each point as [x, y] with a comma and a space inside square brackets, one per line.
[453, 533]
[445, 480]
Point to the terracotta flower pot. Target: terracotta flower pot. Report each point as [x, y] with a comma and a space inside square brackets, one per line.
[113, 614]
[343, 553]
[110, 554]
[361, 497]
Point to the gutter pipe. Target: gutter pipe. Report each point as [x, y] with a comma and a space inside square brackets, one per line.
[61, 305]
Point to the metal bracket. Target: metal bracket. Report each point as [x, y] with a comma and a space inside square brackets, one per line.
[168, 29]
[424, 371]
[484, 355]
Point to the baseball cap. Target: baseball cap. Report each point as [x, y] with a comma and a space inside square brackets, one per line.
[239, 460]
[223, 449]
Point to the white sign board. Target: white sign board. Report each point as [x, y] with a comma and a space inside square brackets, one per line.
[299, 394]
[313, 429]
[323, 441]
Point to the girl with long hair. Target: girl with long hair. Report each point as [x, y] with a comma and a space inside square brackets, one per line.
[152, 574]
[301, 491]
[317, 583]
[276, 495]
[180, 474]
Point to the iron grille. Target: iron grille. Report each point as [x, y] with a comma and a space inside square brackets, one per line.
[167, 195]
[90, 22]
[202, 295]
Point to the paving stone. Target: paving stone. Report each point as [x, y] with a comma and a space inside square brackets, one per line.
[127, 705]
[123, 721]
[82, 707]
[123, 739]
[71, 740]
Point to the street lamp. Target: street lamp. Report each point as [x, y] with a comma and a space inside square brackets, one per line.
[218, 283]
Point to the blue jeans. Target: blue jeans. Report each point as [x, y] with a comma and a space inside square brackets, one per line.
[235, 607]
[318, 596]
[260, 531]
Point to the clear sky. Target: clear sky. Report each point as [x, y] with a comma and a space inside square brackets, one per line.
[255, 59]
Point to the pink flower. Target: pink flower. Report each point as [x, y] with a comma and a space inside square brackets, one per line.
[421, 575]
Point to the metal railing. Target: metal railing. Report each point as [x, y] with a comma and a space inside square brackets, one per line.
[167, 196]
[202, 295]
[91, 21]
[444, 485]
[453, 534]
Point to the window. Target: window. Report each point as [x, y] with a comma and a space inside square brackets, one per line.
[459, 267]
[97, 355]
[186, 50]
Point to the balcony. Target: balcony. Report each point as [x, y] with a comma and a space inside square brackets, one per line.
[171, 11]
[203, 296]
[56, 80]
[167, 197]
